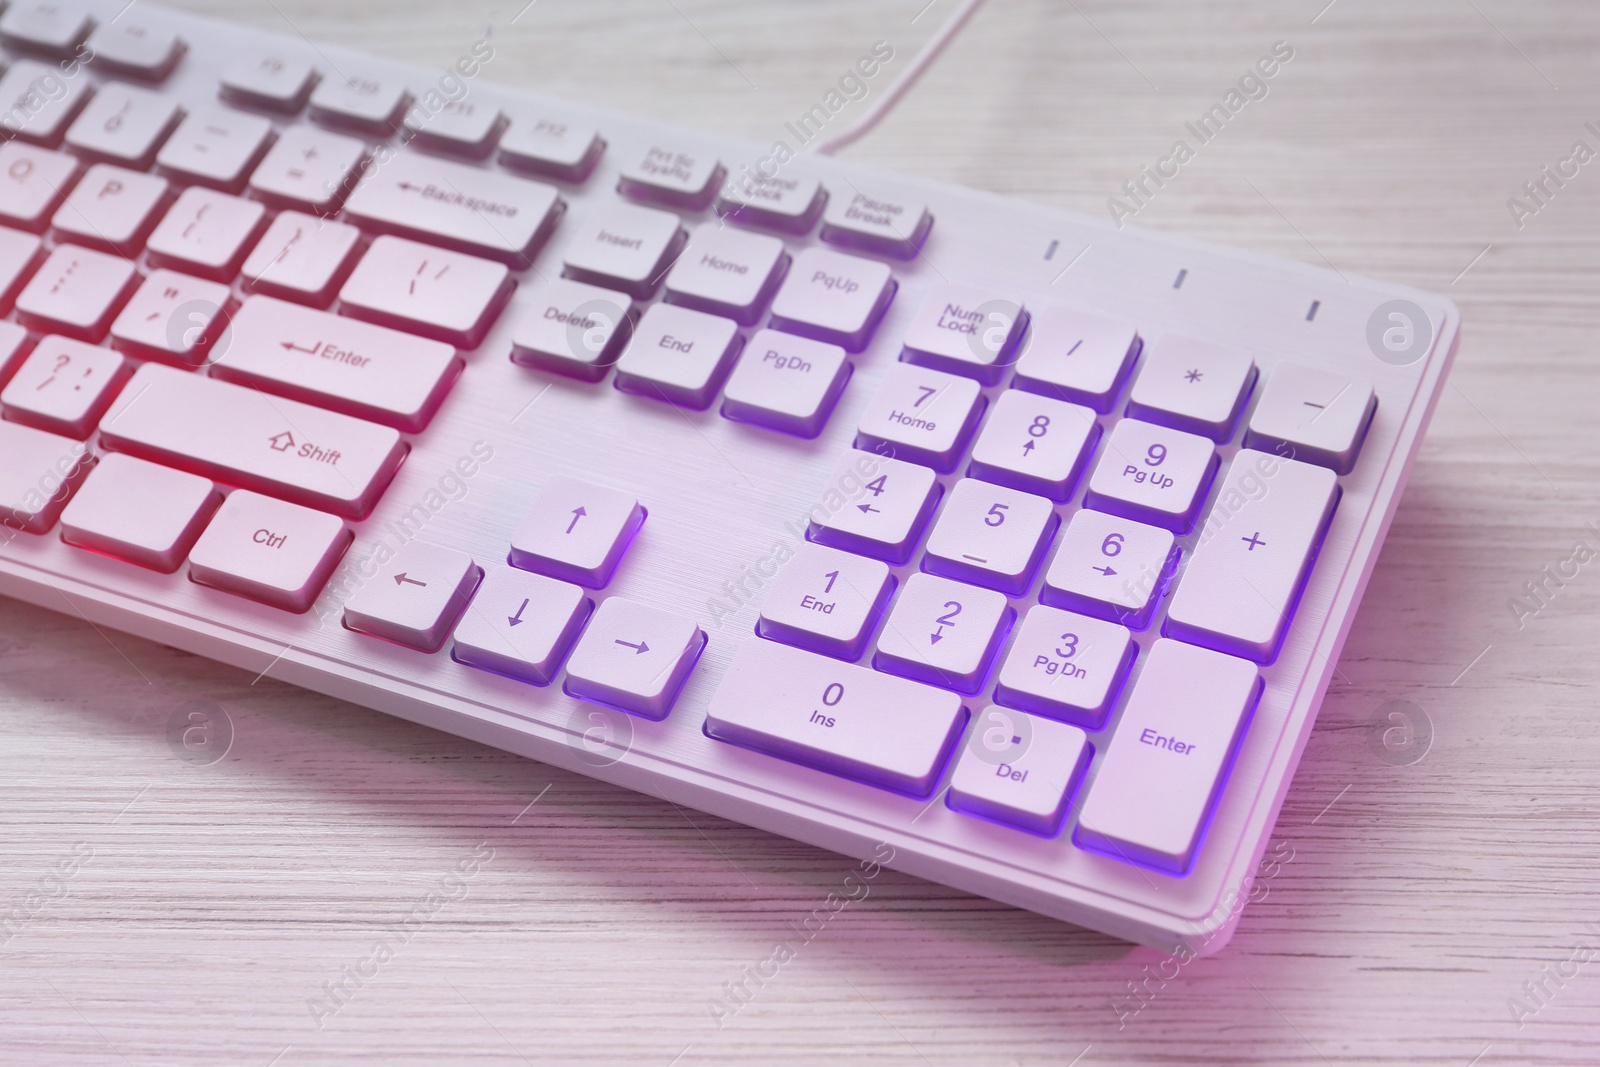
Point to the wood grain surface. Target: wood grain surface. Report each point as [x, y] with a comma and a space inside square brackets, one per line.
[491, 909]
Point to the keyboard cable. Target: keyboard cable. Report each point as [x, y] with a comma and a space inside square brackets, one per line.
[908, 77]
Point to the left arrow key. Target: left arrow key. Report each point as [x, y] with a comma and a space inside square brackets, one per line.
[416, 597]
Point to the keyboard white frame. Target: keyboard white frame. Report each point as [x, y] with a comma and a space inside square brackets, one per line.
[692, 542]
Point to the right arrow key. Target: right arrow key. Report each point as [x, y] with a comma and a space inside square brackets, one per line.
[634, 657]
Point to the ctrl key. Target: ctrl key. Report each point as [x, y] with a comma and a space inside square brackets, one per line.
[269, 550]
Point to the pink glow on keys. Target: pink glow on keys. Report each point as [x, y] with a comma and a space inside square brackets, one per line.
[368, 371]
[39, 475]
[77, 292]
[237, 435]
[138, 511]
[64, 386]
[32, 182]
[172, 317]
[206, 233]
[269, 550]
[301, 258]
[112, 208]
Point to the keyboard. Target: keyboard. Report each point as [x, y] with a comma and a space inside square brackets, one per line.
[999, 545]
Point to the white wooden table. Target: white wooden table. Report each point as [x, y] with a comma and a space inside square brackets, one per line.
[162, 913]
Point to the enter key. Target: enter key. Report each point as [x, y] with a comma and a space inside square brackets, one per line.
[358, 368]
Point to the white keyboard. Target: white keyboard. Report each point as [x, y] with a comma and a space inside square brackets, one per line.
[898, 518]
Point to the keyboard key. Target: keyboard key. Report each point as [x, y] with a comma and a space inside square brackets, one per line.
[269, 550]
[679, 356]
[308, 168]
[1169, 757]
[172, 317]
[215, 146]
[922, 415]
[1035, 444]
[467, 208]
[273, 81]
[991, 535]
[576, 532]
[206, 233]
[786, 383]
[12, 338]
[1019, 770]
[359, 101]
[302, 258]
[572, 329]
[963, 329]
[944, 633]
[416, 597]
[634, 657]
[241, 437]
[1193, 386]
[520, 625]
[826, 600]
[77, 292]
[624, 247]
[1247, 570]
[124, 124]
[1077, 356]
[32, 183]
[367, 371]
[1312, 415]
[1065, 666]
[788, 203]
[139, 512]
[884, 514]
[38, 102]
[836, 717]
[877, 221]
[1110, 568]
[464, 127]
[50, 26]
[128, 45]
[1153, 474]
[833, 297]
[727, 272]
[19, 252]
[669, 176]
[444, 295]
[64, 386]
[551, 147]
[38, 477]
[112, 208]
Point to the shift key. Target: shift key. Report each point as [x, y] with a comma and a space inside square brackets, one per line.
[355, 367]
[269, 444]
